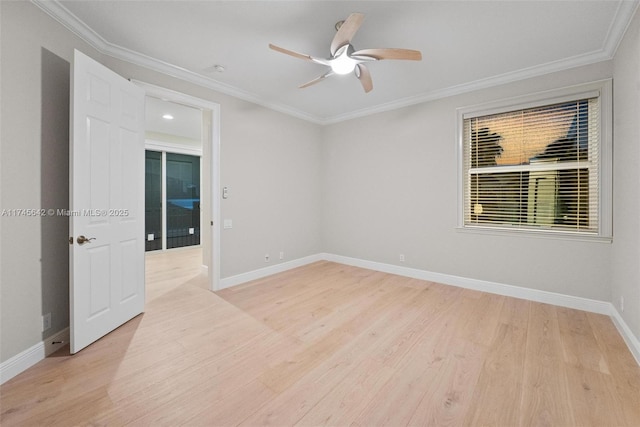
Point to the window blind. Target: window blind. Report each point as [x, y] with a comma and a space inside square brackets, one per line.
[534, 168]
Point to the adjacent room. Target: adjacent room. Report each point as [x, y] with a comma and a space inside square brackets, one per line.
[173, 194]
[375, 213]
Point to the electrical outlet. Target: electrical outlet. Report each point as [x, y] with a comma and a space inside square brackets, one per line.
[621, 303]
[401, 257]
[281, 255]
[46, 322]
[266, 257]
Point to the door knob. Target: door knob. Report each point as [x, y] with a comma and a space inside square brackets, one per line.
[81, 239]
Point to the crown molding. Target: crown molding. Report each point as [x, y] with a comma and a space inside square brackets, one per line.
[522, 74]
[70, 21]
[151, 63]
[624, 14]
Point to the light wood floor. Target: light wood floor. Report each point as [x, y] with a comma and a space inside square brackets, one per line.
[328, 344]
[166, 270]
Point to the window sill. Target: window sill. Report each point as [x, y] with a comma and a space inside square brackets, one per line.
[542, 234]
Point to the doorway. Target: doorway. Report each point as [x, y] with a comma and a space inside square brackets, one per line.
[185, 150]
[173, 157]
[173, 182]
[106, 174]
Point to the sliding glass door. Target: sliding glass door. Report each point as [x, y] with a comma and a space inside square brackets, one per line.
[173, 200]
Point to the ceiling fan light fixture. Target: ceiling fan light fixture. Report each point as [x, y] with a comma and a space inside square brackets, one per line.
[342, 63]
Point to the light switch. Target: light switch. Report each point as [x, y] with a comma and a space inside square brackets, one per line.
[228, 223]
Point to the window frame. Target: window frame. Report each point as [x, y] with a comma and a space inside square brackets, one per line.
[603, 90]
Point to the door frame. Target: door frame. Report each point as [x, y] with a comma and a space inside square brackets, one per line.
[211, 143]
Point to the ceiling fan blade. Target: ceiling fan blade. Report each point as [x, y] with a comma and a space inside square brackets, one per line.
[390, 53]
[290, 52]
[299, 55]
[346, 31]
[365, 77]
[316, 80]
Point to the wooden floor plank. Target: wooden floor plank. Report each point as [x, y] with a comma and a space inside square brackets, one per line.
[579, 344]
[622, 365]
[546, 398]
[330, 344]
[349, 397]
[454, 362]
[447, 387]
[497, 394]
[338, 365]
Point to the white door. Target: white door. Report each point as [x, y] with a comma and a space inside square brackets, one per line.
[107, 201]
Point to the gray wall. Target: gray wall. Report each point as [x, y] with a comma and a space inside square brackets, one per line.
[369, 188]
[626, 244]
[269, 161]
[390, 188]
[34, 142]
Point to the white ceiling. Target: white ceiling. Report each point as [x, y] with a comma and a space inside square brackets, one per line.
[186, 122]
[465, 45]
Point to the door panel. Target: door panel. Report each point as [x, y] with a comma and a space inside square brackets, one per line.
[107, 201]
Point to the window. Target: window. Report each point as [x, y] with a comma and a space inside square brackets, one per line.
[539, 165]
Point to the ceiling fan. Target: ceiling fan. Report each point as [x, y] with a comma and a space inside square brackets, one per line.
[345, 59]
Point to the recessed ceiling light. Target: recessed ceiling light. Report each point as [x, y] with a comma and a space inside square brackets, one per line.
[167, 116]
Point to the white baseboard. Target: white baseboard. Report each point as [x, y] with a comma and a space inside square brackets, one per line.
[227, 282]
[23, 361]
[631, 340]
[568, 301]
